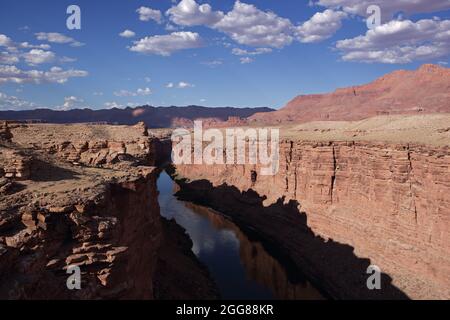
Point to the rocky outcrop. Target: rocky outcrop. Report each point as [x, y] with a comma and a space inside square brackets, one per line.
[14, 164]
[387, 201]
[112, 236]
[102, 152]
[92, 145]
[101, 217]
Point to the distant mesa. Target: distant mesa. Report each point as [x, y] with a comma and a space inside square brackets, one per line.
[425, 90]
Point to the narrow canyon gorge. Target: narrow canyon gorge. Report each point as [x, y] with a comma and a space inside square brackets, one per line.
[224, 159]
[93, 204]
[337, 207]
[87, 196]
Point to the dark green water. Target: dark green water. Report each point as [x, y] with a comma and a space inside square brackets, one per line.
[241, 268]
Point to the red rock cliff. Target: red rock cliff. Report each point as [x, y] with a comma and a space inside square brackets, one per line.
[425, 90]
[390, 202]
[101, 215]
[113, 236]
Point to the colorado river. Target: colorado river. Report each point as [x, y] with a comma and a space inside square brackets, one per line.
[241, 268]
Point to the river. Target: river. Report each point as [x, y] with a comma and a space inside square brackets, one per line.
[242, 268]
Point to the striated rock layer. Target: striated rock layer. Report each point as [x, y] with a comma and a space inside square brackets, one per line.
[105, 232]
[91, 145]
[388, 202]
[61, 208]
[421, 91]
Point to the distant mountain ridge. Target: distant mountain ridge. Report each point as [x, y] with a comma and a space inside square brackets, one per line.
[154, 117]
[425, 90]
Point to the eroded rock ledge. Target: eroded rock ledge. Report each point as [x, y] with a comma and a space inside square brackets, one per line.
[89, 204]
[336, 207]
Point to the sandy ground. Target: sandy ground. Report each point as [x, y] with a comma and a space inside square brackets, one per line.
[421, 129]
[23, 135]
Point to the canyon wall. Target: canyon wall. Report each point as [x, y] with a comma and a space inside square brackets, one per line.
[112, 235]
[389, 203]
[86, 196]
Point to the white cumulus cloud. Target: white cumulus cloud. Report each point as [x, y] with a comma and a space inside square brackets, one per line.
[147, 14]
[183, 85]
[54, 75]
[248, 25]
[8, 58]
[245, 23]
[38, 56]
[320, 26]
[14, 103]
[189, 13]
[32, 54]
[5, 41]
[55, 37]
[388, 7]
[399, 42]
[72, 102]
[165, 45]
[127, 34]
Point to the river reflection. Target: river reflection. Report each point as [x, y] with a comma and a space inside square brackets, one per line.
[241, 268]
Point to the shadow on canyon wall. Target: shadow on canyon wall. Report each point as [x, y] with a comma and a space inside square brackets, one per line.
[283, 230]
[278, 275]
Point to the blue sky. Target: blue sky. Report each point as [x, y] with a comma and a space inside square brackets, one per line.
[213, 53]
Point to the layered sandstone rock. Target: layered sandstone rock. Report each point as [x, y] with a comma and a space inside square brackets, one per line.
[390, 202]
[102, 217]
[104, 228]
[425, 90]
[91, 145]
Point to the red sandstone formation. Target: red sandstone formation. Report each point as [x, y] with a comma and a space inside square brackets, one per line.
[102, 216]
[390, 202]
[91, 145]
[426, 90]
